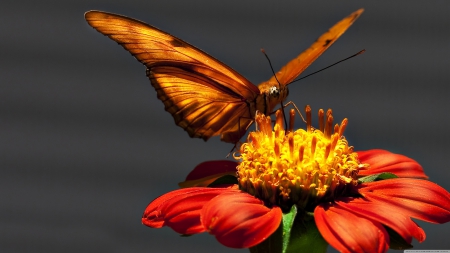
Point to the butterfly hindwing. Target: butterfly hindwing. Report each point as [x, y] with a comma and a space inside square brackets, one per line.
[197, 104]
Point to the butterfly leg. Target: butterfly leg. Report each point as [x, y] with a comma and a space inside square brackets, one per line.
[296, 108]
[232, 149]
[237, 138]
[284, 115]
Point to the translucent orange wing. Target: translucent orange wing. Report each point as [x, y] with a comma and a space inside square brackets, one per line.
[204, 96]
[296, 66]
[200, 106]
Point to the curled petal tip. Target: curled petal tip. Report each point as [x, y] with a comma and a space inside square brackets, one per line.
[244, 223]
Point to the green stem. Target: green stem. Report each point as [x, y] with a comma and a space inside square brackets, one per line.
[296, 233]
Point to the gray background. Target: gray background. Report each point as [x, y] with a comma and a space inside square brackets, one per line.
[85, 144]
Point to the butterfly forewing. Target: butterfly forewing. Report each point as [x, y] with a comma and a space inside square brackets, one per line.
[296, 66]
[152, 46]
[204, 96]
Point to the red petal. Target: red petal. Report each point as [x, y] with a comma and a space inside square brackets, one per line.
[210, 168]
[416, 198]
[239, 220]
[348, 232]
[385, 161]
[180, 209]
[388, 215]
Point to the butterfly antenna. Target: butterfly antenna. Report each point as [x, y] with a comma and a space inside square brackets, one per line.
[279, 84]
[270, 64]
[360, 52]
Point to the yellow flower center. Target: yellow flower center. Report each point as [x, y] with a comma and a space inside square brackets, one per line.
[299, 167]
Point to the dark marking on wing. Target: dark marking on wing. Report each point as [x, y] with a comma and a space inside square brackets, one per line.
[177, 43]
[327, 42]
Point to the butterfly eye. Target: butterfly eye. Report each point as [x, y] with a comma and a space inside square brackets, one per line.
[274, 92]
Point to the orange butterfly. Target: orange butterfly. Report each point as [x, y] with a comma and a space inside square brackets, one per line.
[205, 96]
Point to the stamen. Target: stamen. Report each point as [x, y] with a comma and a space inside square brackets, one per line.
[291, 120]
[301, 152]
[329, 125]
[343, 127]
[277, 147]
[329, 112]
[327, 151]
[254, 139]
[313, 146]
[279, 118]
[321, 125]
[334, 141]
[265, 126]
[257, 121]
[308, 118]
[291, 144]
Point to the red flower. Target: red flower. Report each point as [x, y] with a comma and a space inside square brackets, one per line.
[225, 212]
[316, 171]
[354, 224]
[350, 224]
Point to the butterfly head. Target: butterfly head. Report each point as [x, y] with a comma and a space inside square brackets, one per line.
[271, 96]
[277, 94]
[274, 92]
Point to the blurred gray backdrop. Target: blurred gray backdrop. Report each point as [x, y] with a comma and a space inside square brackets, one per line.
[85, 144]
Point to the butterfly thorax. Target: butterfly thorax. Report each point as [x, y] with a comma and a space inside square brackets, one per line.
[270, 97]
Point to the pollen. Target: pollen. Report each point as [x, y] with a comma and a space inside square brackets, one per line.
[302, 167]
